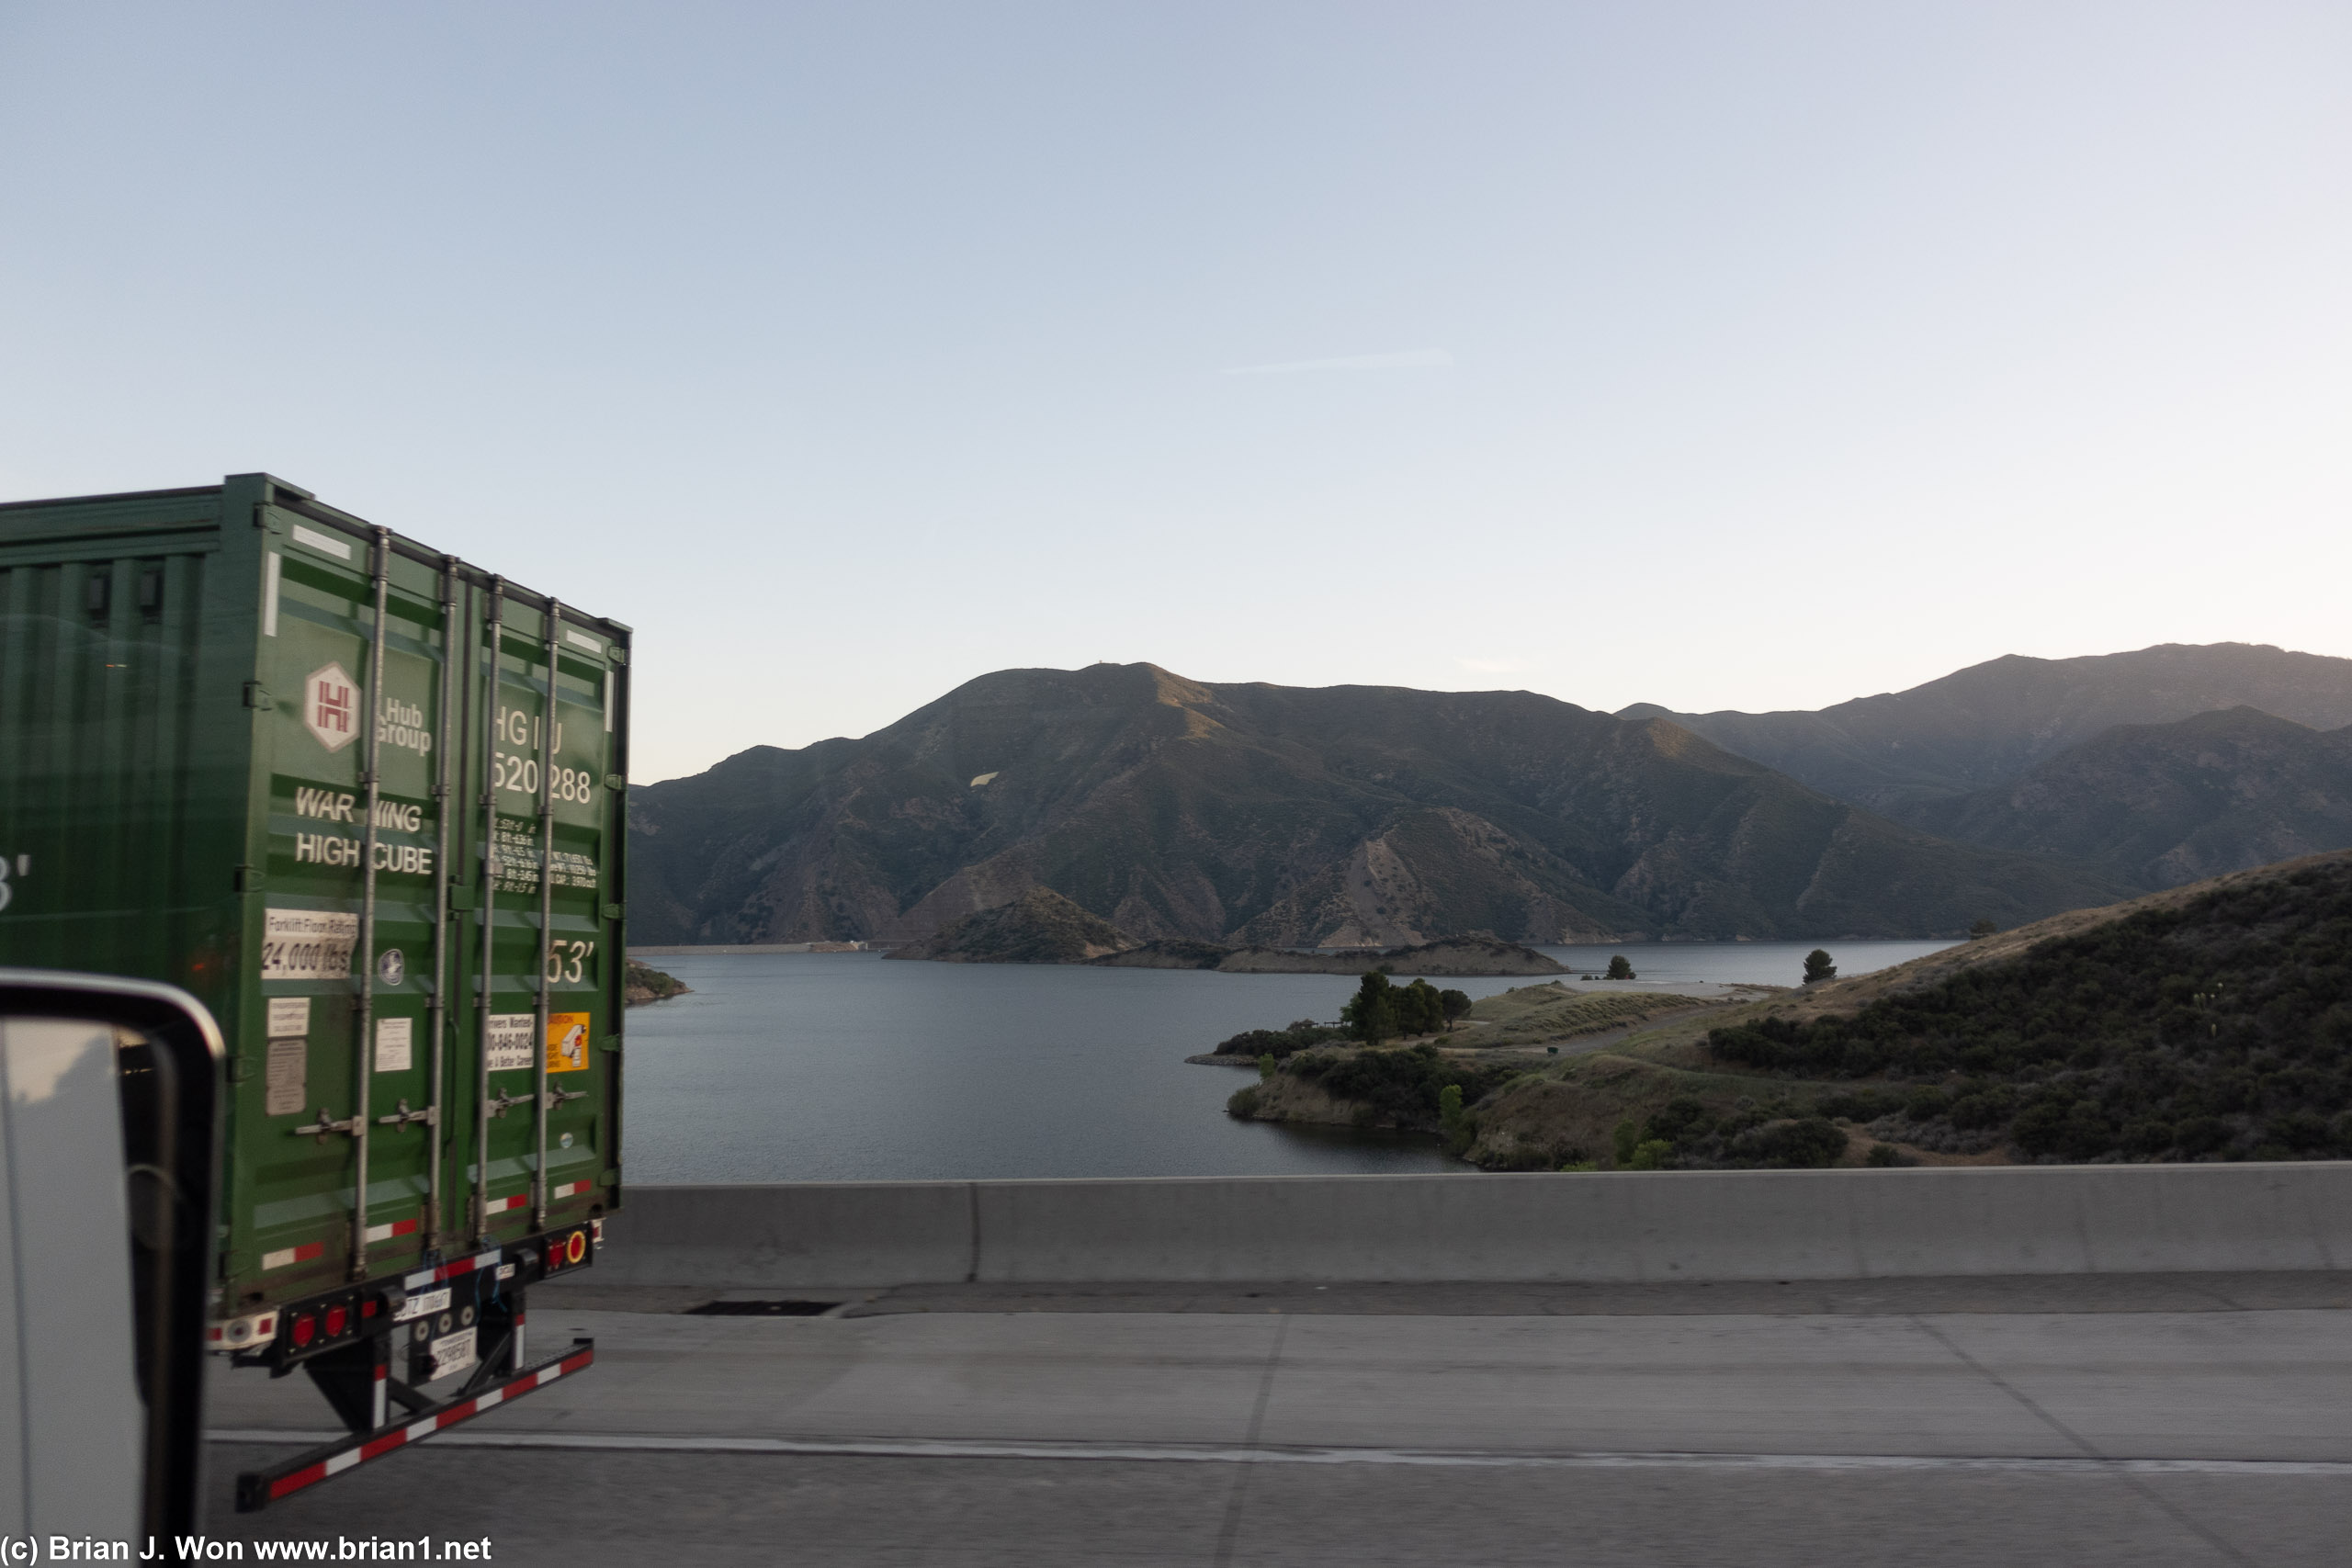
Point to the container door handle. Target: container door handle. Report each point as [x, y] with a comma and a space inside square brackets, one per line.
[325, 1124]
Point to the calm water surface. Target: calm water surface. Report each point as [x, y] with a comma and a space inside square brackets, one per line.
[846, 1067]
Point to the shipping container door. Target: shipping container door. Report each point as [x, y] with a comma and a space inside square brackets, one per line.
[546, 1062]
[338, 1089]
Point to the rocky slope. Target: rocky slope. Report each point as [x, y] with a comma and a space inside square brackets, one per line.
[2157, 806]
[1039, 927]
[1288, 817]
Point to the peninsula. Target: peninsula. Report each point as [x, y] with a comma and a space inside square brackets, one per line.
[2201, 1023]
[1043, 926]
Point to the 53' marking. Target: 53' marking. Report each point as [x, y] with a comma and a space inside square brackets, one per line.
[564, 959]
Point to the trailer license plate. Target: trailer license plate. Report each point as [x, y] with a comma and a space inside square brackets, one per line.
[453, 1353]
[424, 1304]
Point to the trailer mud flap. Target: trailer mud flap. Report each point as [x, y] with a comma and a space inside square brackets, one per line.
[259, 1488]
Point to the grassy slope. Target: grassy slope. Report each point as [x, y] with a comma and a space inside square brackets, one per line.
[2076, 1037]
[1537, 1015]
[1399, 1085]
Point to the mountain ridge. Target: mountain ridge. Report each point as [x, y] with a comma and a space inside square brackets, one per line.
[1252, 813]
[1984, 724]
[2156, 767]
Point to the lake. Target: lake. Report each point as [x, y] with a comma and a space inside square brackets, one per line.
[849, 1067]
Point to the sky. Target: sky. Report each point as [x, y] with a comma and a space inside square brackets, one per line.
[1744, 354]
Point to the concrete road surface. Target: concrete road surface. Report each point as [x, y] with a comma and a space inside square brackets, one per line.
[1639, 1428]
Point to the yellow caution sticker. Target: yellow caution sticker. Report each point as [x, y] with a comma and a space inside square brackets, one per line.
[566, 1042]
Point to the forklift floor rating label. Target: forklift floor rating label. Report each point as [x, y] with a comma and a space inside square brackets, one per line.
[308, 945]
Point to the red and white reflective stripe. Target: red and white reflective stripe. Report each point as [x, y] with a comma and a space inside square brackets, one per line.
[500, 1205]
[374, 1448]
[572, 1189]
[425, 1277]
[386, 1232]
[288, 1256]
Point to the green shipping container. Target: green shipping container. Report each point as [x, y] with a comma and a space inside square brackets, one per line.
[365, 801]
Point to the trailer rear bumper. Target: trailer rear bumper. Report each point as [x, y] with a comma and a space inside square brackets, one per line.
[259, 1488]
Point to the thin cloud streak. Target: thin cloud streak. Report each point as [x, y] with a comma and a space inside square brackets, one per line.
[1410, 359]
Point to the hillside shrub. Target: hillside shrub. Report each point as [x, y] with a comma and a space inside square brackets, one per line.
[1280, 1043]
[1405, 1086]
[1685, 1135]
[2218, 1030]
[1809, 1143]
[1625, 1139]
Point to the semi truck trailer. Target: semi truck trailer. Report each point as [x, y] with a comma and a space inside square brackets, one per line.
[363, 802]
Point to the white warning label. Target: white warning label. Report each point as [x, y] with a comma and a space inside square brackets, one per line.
[307, 944]
[395, 1045]
[289, 1015]
[510, 1041]
[283, 1089]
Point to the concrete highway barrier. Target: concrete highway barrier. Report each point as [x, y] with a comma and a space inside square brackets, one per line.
[1591, 1226]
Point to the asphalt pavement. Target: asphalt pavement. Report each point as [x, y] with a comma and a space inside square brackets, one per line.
[2174, 1419]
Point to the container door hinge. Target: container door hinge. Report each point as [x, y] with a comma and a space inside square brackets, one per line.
[257, 696]
[248, 878]
[611, 911]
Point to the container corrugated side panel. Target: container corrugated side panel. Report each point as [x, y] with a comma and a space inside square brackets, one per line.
[121, 725]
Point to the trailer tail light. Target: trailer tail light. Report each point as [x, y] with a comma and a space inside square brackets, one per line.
[306, 1328]
[337, 1319]
[577, 1248]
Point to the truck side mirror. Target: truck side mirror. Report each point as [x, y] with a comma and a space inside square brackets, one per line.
[110, 1107]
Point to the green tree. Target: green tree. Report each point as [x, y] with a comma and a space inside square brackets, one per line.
[1453, 1120]
[1456, 1005]
[1627, 1136]
[1981, 929]
[1621, 967]
[1420, 1009]
[1371, 1013]
[1818, 967]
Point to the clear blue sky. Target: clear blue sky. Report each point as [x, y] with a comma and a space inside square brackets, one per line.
[1720, 355]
